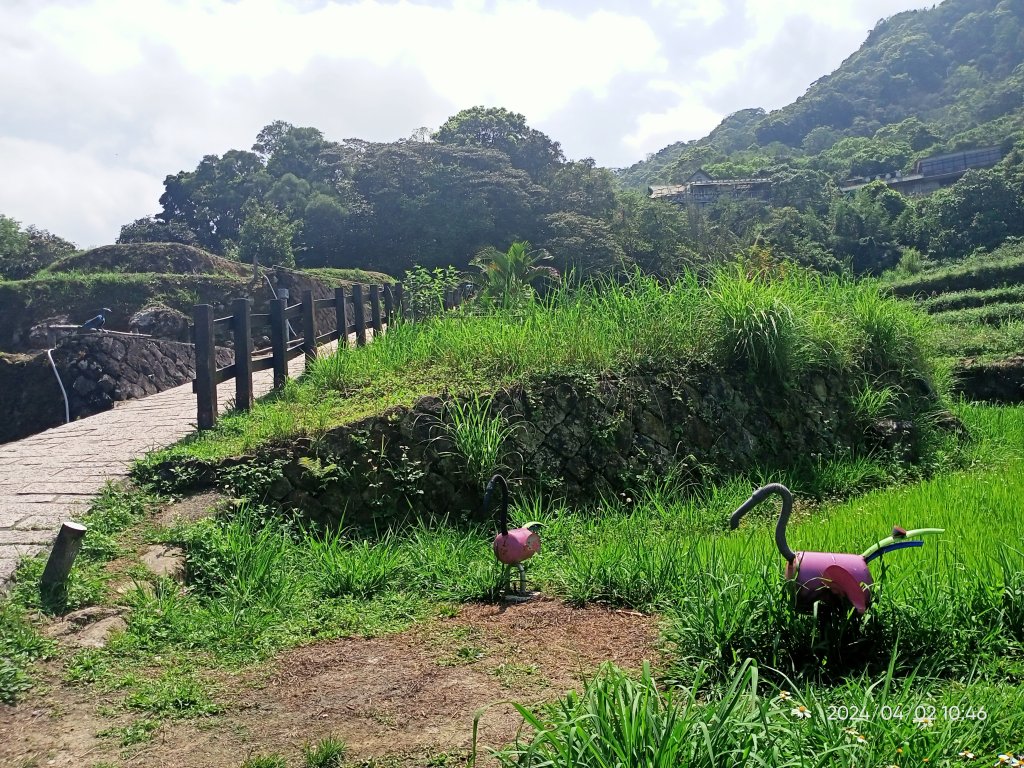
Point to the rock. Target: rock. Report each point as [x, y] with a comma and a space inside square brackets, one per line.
[161, 321]
[84, 386]
[38, 337]
[162, 560]
[820, 388]
[89, 627]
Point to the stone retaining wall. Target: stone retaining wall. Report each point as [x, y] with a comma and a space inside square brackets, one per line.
[97, 370]
[999, 381]
[573, 438]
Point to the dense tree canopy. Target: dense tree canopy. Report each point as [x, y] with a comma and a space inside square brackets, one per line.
[925, 82]
[23, 252]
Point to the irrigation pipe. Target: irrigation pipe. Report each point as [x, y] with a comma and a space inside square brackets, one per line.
[67, 408]
[291, 331]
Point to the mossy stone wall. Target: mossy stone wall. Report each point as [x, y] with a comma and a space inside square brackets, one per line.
[572, 438]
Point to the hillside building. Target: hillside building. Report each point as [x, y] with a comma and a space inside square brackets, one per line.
[931, 173]
[701, 189]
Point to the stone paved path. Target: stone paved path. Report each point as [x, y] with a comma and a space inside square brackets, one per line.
[52, 476]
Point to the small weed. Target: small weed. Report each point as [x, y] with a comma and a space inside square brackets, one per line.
[326, 753]
[138, 732]
[172, 695]
[20, 646]
[265, 761]
[462, 645]
[513, 675]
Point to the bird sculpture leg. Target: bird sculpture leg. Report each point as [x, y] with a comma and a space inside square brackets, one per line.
[522, 579]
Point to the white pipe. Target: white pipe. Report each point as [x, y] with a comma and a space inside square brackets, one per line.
[291, 331]
[67, 408]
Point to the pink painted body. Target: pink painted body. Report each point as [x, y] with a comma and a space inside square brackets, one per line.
[830, 577]
[517, 545]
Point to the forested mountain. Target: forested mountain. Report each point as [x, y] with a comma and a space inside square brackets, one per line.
[924, 82]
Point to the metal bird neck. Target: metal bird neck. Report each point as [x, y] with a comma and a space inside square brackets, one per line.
[780, 528]
[502, 510]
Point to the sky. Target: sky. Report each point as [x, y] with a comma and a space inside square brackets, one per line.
[101, 99]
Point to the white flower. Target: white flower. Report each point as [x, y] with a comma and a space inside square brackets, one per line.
[800, 711]
[967, 755]
[785, 695]
[924, 722]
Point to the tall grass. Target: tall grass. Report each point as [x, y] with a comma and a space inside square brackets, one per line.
[621, 720]
[780, 329]
[478, 432]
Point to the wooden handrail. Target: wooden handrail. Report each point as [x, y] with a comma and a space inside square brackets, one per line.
[367, 312]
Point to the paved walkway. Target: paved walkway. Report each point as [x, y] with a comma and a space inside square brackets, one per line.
[52, 476]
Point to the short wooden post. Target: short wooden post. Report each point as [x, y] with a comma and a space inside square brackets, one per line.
[279, 341]
[389, 305]
[206, 367]
[308, 326]
[375, 320]
[62, 556]
[358, 311]
[341, 313]
[241, 329]
[449, 298]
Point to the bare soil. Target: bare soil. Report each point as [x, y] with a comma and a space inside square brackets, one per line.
[402, 700]
[190, 509]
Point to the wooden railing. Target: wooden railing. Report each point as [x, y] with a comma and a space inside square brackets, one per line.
[285, 342]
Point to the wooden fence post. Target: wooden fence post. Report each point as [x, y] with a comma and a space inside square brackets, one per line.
[378, 326]
[403, 310]
[358, 311]
[206, 367]
[62, 556]
[449, 298]
[308, 326]
[279, 341]
[241, 328]
[341, 313]
[389, 305]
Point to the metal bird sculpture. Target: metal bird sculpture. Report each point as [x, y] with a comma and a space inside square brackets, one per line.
[511, 547]
[831, 578]
[96, 323]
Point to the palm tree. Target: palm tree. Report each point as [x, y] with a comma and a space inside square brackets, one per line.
[510, 277]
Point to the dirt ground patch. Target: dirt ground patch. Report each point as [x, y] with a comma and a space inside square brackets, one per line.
[401, 700]
[190, 509]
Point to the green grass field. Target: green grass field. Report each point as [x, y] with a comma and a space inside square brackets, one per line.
[944, 637]
[932, 670]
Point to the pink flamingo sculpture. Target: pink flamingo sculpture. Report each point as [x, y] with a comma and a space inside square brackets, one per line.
[827, 577]
[511, 547]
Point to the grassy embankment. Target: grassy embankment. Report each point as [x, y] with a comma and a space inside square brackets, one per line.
[978, 303]
[127, 278]
[777, 330]
[946, 629]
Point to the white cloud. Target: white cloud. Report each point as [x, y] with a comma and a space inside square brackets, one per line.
[688, 116]
[72, 194]
[103, 98]
[508, 53]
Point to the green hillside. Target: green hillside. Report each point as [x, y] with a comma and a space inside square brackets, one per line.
[924, 82]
